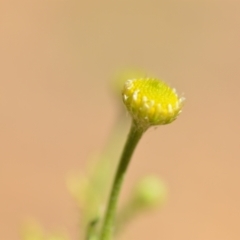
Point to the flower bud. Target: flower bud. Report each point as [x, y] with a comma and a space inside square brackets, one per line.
[150, 192]
[151, 101]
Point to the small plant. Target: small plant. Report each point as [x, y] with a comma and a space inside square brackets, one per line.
[150, 102]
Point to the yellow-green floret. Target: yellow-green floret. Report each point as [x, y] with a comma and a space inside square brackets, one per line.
[151, 101]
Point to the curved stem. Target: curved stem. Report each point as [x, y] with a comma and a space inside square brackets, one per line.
[133, 138]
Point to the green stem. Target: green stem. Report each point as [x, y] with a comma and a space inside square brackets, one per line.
[133, 138]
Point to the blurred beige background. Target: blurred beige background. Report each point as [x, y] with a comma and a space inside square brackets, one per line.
[57, 58]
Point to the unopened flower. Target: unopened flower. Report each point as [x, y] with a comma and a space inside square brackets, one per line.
[151, 101]
[150, 192]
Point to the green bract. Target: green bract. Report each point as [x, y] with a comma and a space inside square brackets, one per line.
[151, 101]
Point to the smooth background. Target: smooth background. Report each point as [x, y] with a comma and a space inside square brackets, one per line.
[57, 59]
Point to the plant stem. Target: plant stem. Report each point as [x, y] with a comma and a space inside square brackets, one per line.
[132, 140]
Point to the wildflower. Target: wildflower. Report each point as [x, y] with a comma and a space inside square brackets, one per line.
[151, 101]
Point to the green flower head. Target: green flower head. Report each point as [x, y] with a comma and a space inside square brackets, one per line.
[150, 192]
[151, 101]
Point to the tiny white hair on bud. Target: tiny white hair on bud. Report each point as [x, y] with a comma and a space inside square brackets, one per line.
[146, 105]
[177, 104]
[129, 84]
[125, 97]
[135, 95]
[170, 108]
[144, 98]
[182, 99]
